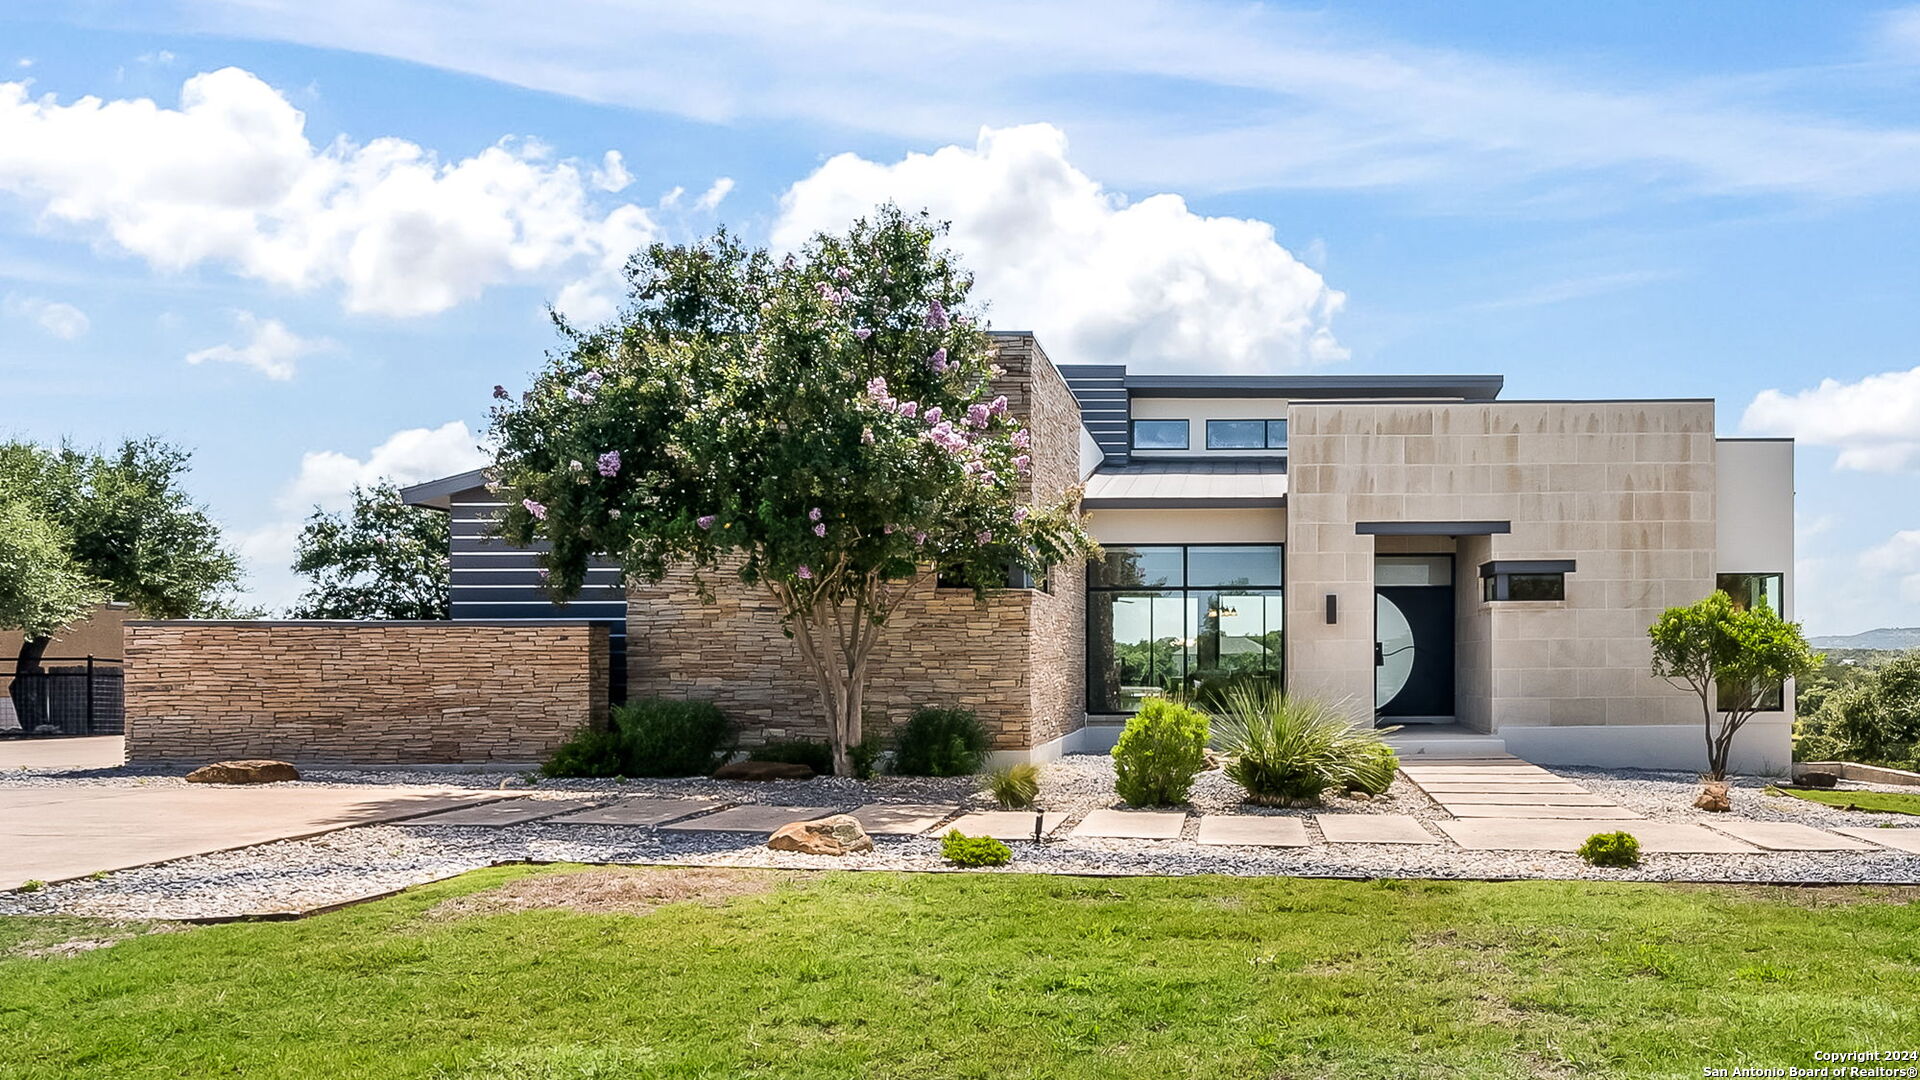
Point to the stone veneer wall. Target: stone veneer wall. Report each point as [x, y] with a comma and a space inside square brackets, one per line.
[1626, 489]
[1017, 660]
[360, 693]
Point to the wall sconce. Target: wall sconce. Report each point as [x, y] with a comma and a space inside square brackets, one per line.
[1333, 608]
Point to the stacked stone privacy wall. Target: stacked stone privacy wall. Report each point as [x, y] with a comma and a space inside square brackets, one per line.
[361, 693]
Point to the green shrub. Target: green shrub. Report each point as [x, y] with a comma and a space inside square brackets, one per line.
[1162, 749]
[865, 755]
[649, 738]
[1015, 786]
[1611, 849]
[940, 742]
[1373, 774]
[812, 753]
[1287, 751]
[963, 850]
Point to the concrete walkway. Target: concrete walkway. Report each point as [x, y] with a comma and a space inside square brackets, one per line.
[82, 752]
[54, 833]
[1504, 786]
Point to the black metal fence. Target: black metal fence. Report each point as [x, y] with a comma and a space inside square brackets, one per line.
[70, 695]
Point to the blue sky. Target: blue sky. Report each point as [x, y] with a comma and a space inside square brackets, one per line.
[306, 240]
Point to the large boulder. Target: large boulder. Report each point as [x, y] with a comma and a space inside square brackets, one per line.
[840, 834]
[243, 772]
[762, 770]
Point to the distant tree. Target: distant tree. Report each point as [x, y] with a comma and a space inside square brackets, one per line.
[821, 426]
[381, 559]
[116, 525]
[1728, 656]
[1873, 718]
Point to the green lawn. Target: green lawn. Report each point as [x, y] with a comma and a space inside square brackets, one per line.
[989, 976]
[1886, 802]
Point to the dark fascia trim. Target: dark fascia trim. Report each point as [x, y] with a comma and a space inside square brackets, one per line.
[544, 621]
[1177, 503]
[436, 494]
[1463, 387]
[1753, 438]
[1431, 528]
[1526, 566]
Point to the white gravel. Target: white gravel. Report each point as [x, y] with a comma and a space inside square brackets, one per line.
[359, 862]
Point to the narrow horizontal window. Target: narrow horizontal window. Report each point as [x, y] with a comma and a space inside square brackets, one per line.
[1236, 434]
[1525, 579]
[1159, 434]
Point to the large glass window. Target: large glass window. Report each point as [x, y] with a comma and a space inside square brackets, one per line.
[1159, 434]
[1246, 434]
[1182, 621]
[1750, 591]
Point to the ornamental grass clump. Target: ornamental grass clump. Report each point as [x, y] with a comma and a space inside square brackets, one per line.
[1288, 751]
[1163, 747]
[1015, 787]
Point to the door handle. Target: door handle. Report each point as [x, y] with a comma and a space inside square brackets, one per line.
[1379, 655]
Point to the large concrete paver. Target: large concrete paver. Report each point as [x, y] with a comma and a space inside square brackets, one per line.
[1252, 830]
[55, 833]
[1005, 824]
[1606, 812]
[1373, 829]
[1436, 788]
[1897, 839]
[84, 752]
[1132, 824]
[502, 814]
[1787, 836]
[1528, 834]
[637, 811]
[901, 819]
[754, 818]
[1518, 798]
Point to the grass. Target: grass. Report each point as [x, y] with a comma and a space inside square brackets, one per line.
[1879, 802]
[978, 976]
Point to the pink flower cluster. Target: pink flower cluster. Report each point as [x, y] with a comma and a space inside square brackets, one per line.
[538, 510]
[938, 361]
[705, 521]
[937, 316]
[609, 463]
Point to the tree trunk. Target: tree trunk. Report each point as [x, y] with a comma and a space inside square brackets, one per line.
[29, 694]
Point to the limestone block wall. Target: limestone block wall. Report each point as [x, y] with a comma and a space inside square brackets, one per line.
[1018, 660]
[360, 693]
[1626, 489]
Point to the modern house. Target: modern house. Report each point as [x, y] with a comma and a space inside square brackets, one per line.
[1480, 571]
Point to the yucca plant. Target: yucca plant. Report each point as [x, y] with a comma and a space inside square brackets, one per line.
[1287, 751]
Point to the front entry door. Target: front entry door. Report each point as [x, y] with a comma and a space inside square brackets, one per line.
[1413, 645]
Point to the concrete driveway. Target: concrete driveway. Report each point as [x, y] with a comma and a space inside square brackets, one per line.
[54, 832]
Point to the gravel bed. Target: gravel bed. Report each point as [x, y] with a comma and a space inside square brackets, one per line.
[355, 863]
[1668, 796]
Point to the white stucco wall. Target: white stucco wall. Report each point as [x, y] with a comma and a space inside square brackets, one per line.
[1263, 525]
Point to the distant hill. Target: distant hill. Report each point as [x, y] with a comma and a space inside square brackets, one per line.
[1885, 638]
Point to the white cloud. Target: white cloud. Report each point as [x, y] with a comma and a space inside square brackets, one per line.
[1279, 96]
[612, 175]
[1897, 558]
[327, 477]
[1874, 423]
[61, 320]
[710, 198]
[1099, 279]
[270, 348]
[230, 179]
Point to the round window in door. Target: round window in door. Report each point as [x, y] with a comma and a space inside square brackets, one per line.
[1395, 642]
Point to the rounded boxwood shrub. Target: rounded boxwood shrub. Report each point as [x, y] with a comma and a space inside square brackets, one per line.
[940, 742]
[962, 850]
[1611, 849]
[1163, 747]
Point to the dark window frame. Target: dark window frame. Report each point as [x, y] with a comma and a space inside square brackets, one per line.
[1774, 698]
[1266, 434]
[1497, 578]
[1093, 696]
[1186, 434]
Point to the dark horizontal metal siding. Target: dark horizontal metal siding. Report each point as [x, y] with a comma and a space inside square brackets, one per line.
[494, 580]
[1101, 390]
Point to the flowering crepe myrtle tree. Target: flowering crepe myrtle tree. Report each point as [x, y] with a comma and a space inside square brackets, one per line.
[820, 425]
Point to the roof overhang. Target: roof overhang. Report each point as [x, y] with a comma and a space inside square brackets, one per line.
[438, 494]
[1432, 528]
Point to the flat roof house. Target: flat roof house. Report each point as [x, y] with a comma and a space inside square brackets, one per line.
[1480, 571]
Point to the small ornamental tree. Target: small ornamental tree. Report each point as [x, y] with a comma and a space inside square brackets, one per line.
[1728, 656]
[820, 426]
[382, 559]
